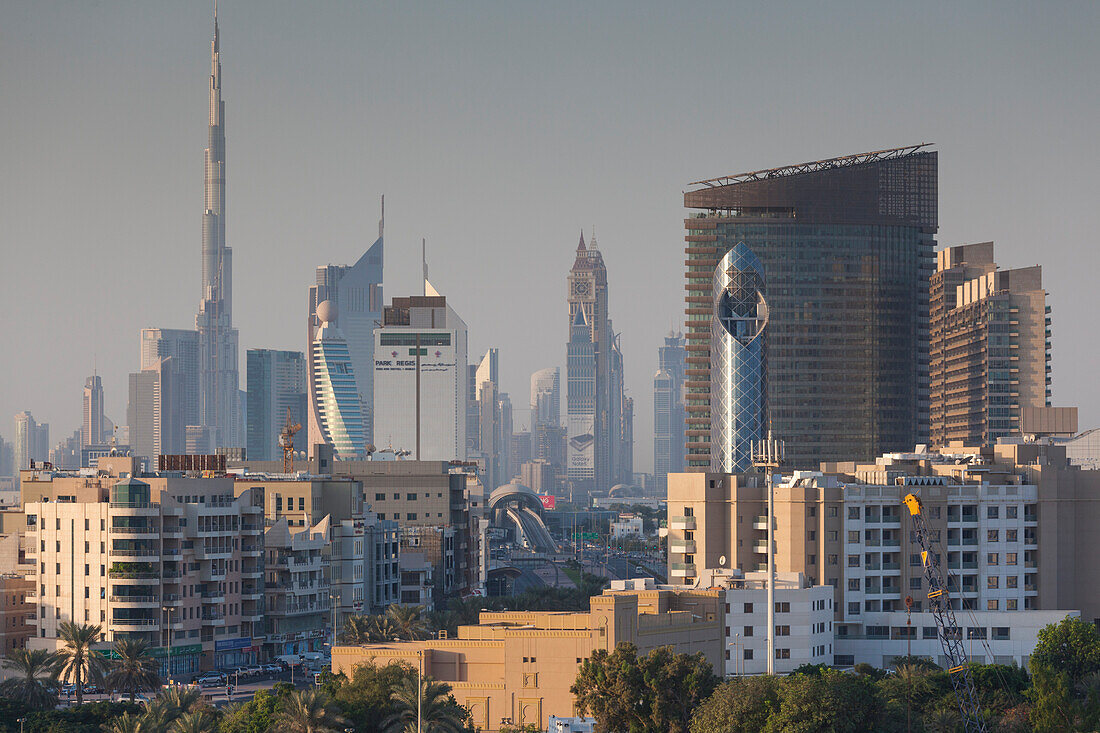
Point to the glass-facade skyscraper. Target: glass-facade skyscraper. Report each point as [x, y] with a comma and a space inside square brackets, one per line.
[847, 249]
[738, 343]
[668, 411]
[276, 383]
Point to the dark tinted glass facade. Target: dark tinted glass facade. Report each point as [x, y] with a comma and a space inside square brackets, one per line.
[847, 248]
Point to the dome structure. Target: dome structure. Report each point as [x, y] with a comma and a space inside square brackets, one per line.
[326, 311]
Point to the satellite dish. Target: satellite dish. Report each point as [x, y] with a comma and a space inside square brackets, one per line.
[722, 561]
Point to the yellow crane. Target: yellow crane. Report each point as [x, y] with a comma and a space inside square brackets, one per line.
[949, 631]
[286, 442]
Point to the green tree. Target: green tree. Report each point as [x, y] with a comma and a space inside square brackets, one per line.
[254, 716]
[126, 723]
[78, 662]
[35, 678]
[1071, 646]
[1053, 705]
[942, 719]
[676, 684]
[742, 705]
[365, 697]
[610, 687]
[408, 621]
[439, 712]
[833, 702]
[196, 721]
[134, 670]
[357, 630]
[307, 711]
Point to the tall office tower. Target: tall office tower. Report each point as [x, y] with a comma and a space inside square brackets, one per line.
[92, 424]
[738, 361]
[335, 408]
[155, 412]
[847, 248]
[505, 433]
[25, 436]
[990, 346]
[588, 374]
[668, 411]
[276, 383]
[473, 428]
[616, 398]
[420, 378]
[626, 441]
[182, 347]
[7, 459]
[357, 292]
[547, 433]
[218, 340]
[493, 412]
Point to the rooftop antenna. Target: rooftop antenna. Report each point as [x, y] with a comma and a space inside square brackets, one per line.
[382, 221]
[424, 261]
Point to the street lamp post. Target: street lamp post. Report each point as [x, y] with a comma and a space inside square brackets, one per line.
[419, 685]
[21, 722]
[168, 612]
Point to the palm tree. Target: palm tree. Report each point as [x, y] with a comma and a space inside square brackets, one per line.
[125, 723]
[439, 713]
[383, 629]
[78, 662]
[308, 711]
[357, 630]
[196, 721]
[941, 720]
[408, 621]
[180, 700]
[35, 680]
[134, 670]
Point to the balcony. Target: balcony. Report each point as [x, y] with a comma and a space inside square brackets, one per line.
[213, 619]
[682, 570]
[146, 623]
[252, 550]
[682, 546]
[681, 523]
[213, 597]
[135, 600]
[760, 547]
[134, 530]
[130, 574]
[760, 523]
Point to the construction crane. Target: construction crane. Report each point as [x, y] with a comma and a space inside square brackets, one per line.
[286, 442]
[949, 631]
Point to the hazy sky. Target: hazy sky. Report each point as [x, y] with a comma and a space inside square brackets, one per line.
[498, 130]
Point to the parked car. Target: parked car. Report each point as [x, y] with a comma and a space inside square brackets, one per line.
[273, 669]
[254, 671]
[211, 679]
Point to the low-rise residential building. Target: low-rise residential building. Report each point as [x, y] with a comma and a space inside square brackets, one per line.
[416, 581]
[1012, 527]
[297, 593]
[518, 666]
[627, 525]
[17, 611]
[167, 555]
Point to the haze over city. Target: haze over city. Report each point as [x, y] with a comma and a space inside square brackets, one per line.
[496, 132]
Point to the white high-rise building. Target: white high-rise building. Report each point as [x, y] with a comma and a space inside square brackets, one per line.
[420, 373]
[334, 404]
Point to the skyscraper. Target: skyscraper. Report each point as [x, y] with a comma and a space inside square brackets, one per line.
[357, 292]
[32, 441]
[990, 346]
[668, 411]
[547, 434]
[218, 340]
[591, 427]
[335, 408]
[155, 413]
[276, 383]
[92, 423]
[847, 247]
[420, 378]
[738, 366]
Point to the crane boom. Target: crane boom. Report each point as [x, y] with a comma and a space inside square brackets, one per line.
[949, 631]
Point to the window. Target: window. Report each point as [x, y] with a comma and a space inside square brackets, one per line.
[853, 608]
[853, 561]
[1010, 604]
[783, 607]
[992, 558]
[853, 583]
[410, 516]
[748, 652]
[832, 535]
[993, 535]
[1001, 633]
[811, 560]
[811, 536]
[748, 608]
[832, 511]
[748, 631]
[833, 559]
[853, 537]
[782, 630]
[914, 584]
[301, 503]
[1011, 535]
[410, 497]
[812, 511]
[379, 497]
[782, 653]
[853, 512]
[929, 632]
[1011, 581]
[1010, 558]
[976, 632]
[993, 582]
[993, 512]
[992, 605]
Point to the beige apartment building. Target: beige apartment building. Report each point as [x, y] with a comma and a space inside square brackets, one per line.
[1016, 527]
[156, 557]
[17, 611]
[518, 666]
[989, 351]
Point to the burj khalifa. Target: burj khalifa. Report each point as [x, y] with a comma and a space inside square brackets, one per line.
[219, 401]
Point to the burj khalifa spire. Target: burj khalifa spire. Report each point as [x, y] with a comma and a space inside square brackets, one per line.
[219, 408]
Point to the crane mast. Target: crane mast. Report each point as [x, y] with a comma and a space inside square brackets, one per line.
[949, 630]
